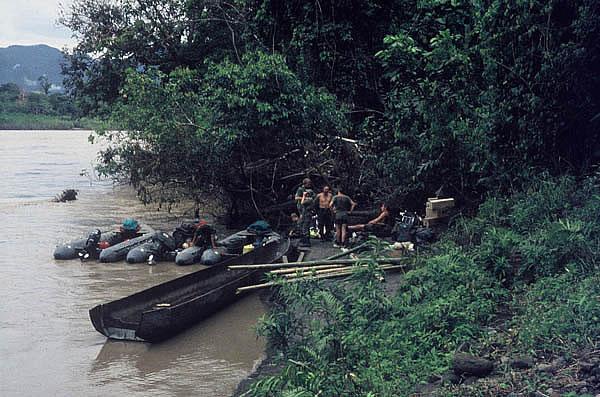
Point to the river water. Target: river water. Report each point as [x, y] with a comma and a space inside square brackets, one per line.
[48, 346]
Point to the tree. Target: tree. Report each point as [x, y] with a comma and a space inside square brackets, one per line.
[486, 93]
[237, 129]
[114, 36]
[331, 43]
[44, 83]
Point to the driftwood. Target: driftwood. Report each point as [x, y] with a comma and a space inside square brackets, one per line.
[66, 195]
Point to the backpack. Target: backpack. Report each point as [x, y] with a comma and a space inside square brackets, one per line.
[260, 228]
[403, 228]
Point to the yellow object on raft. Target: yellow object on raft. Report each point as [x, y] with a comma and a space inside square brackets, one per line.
[247, 248]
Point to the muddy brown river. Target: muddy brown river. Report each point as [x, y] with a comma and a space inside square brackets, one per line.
[48, 346]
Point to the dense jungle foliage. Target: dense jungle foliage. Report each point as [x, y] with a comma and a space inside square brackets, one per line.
[395, 99]
[496, 103]
[520, 278]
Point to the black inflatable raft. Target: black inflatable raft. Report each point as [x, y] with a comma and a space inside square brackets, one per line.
[73, 249]
[119, 251]
[231, 245]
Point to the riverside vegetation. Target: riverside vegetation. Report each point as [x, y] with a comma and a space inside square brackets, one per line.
[520, 279]
[495, 102]
[21, 110]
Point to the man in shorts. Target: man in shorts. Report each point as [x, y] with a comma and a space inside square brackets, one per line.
[342, 205]
[324, 215]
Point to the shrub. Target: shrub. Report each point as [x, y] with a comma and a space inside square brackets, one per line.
[559, 313]
[352, 340]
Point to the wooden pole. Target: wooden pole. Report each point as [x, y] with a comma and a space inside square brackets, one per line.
[318, 262]
[294, 269]
[301, 278]
[310, 272]
[345, 270]
[272, 283]
[350, 251]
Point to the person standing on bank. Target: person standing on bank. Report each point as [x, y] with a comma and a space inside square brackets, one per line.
[305, 201]
[324, 215]
[342, 205]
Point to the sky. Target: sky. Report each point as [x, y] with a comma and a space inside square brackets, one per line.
[28, 22]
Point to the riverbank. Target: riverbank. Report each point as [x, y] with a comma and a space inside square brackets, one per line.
[273, 360]
[27, 121]
[513, 290]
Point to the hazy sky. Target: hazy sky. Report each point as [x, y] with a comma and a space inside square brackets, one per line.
[33, 22]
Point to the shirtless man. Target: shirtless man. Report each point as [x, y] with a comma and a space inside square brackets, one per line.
[376, 224]
[342, 205]
[324, 215]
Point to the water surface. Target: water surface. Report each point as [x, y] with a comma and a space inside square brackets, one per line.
[47, 344]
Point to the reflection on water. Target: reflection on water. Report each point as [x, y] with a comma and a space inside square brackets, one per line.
[213, 353]
[47, 343]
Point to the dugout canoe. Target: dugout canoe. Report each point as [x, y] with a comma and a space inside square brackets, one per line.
[162, 311]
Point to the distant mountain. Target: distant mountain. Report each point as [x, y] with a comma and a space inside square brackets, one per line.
[23, 65]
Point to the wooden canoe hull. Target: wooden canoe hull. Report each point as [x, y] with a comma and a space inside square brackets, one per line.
[162, 311]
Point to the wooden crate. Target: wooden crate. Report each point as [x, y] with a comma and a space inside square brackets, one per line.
[436, 203]
[436, 209]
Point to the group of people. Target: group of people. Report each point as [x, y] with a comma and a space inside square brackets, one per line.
[332, 212]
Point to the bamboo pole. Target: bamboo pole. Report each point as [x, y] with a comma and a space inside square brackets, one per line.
[346, 270]
[315, 272]
[294, 269]
[272, 283]
[348, 252]
[301, 278]
[317, 262]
